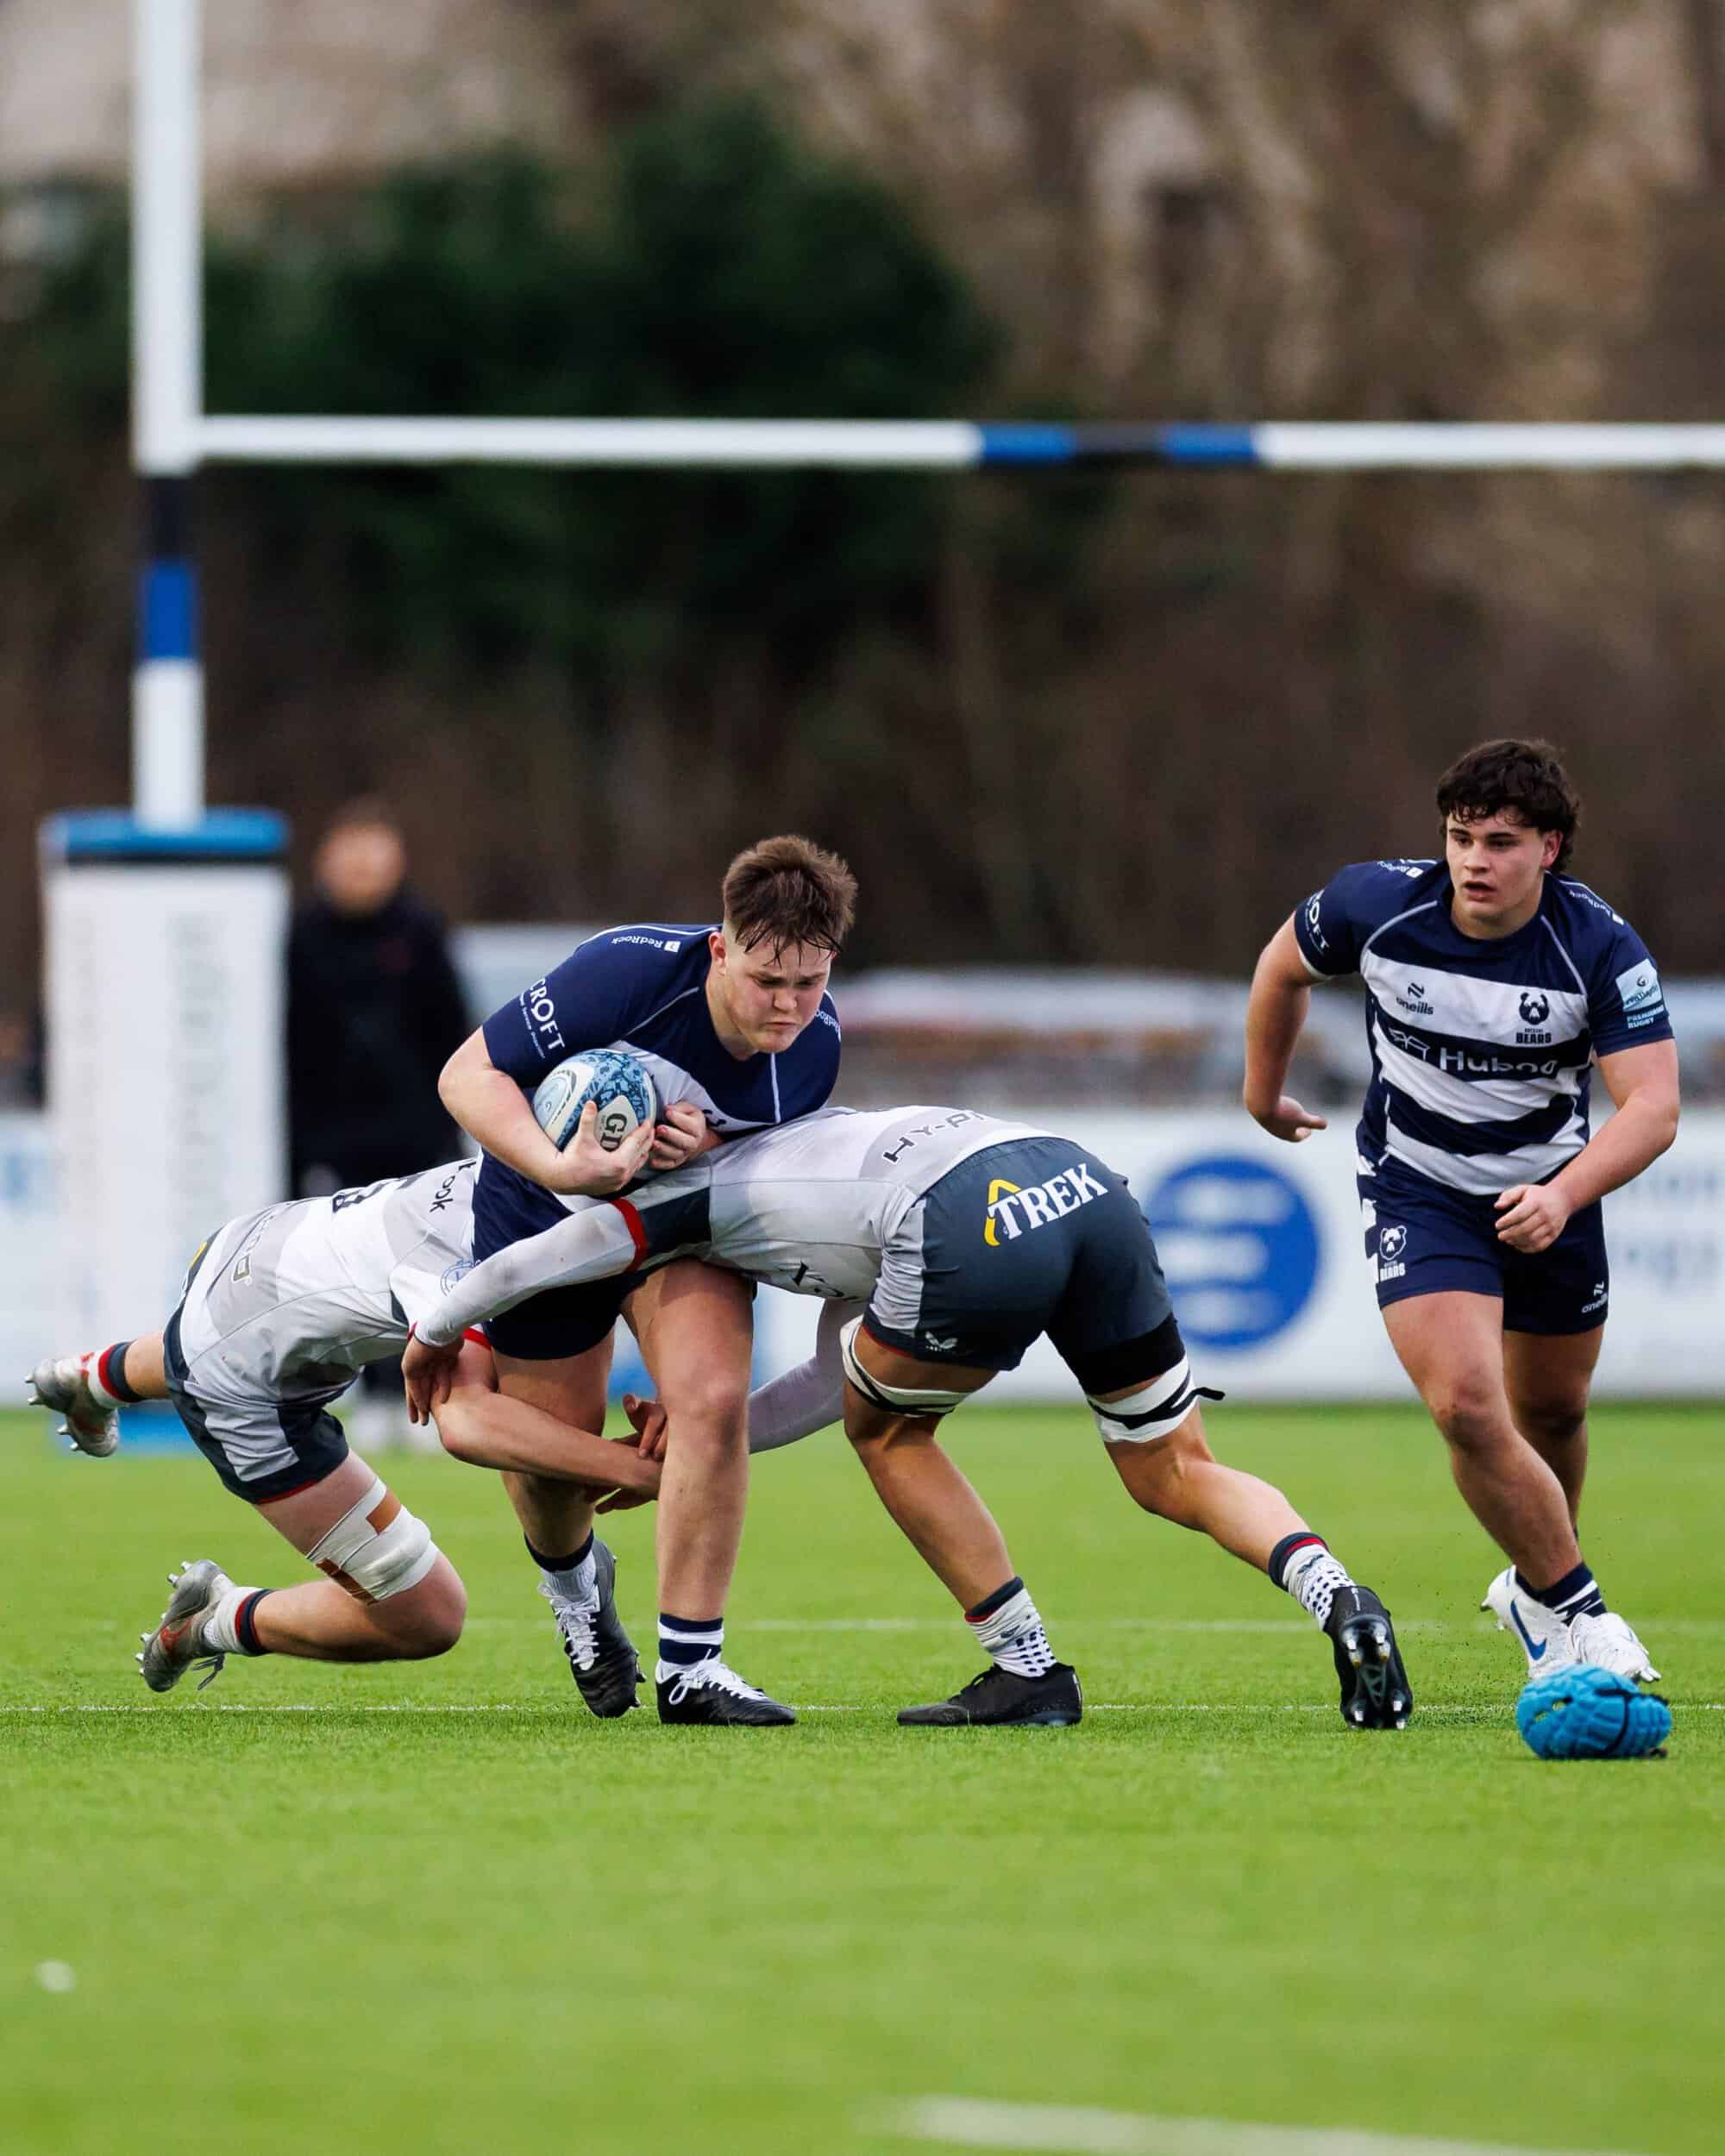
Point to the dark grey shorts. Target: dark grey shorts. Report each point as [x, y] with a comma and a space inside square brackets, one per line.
[1031, 1236]
[261, 1447]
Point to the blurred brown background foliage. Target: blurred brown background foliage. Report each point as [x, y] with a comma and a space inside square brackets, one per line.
[1122, 723]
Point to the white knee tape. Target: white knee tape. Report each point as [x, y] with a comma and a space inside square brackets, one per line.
[900, 1399]
[378, 1549]
[1156, 1411]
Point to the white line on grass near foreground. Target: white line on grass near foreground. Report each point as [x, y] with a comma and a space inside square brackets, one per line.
[1078, 2132]
[803, 1707]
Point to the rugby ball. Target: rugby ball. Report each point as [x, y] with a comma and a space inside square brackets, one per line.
[1580, 1711]
[611, 1077]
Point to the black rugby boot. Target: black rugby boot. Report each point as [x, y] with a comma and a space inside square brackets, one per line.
[1001, 1699]
[1376, 1692]
[711, 1693]
[602, 1656]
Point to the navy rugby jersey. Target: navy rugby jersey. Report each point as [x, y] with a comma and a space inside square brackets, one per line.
[642, 987]
[1480, 1047]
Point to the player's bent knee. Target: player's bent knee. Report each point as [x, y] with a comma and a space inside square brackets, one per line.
[427, 1620]
[1552, 1421]
[712, 1403]
[377, 1549]
[1473, 1418]
[1159, 1477]
[439, 1610]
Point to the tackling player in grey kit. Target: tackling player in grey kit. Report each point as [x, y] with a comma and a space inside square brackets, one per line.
[957, 1240]
[281, 1310]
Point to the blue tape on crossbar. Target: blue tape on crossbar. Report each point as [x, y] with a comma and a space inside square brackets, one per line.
[168, 610]
[1193, 444]
[1008, 444]
[1198, 444]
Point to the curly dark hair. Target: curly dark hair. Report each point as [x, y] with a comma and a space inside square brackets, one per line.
[1523, 778]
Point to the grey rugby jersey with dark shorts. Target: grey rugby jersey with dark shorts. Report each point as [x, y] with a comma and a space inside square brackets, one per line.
[283, 1309]
[966, 1236]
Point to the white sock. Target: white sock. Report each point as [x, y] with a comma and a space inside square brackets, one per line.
[219, 1634]
[578, 1585]
[1313, 1578]
[1011, 1635]
[92, 1377]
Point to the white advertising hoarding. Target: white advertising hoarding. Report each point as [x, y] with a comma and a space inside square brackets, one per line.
[164, 998]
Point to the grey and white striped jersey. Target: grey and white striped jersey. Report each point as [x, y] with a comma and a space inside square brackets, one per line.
[809, 1206]
[290, 1303]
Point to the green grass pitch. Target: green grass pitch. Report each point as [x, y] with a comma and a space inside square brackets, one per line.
[442, 1909]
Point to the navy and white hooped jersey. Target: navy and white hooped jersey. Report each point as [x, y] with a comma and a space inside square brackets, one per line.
[642, 987]
[1480, 1046]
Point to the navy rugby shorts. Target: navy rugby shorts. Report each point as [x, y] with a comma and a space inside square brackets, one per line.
[1031, 1236]
[1423, 1238]
[560, 1321]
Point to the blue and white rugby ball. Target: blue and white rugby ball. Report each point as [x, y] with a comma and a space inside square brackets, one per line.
[614, 1078]
[1580, 1711]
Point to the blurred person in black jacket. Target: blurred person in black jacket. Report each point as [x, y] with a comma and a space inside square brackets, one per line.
[374, 1010]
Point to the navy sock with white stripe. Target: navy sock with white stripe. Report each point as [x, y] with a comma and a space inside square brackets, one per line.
[685, 1641]
[1576, 1594]
[1006, 1627]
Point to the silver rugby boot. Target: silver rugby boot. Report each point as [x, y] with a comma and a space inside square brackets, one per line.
[176, 1644]
[61, 1384]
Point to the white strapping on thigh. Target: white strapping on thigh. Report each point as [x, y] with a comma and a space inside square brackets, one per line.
[903, 1400]
[377, 1548]
[1155, 1411]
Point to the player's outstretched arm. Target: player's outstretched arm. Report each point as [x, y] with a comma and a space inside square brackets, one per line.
[1280, 993]
[1643, 1082]
[492, 1108]
[811, 1397]
[784, 1410]
[593, 1243]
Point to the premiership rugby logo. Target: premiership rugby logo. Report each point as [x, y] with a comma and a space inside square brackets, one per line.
[1014, 1211]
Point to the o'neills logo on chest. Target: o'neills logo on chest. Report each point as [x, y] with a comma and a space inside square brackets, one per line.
[1013, 1211]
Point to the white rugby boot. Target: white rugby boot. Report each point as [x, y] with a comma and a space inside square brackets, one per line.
[1609, 1642]
[61, 1384]
[1546, 1640]
[176, 1644]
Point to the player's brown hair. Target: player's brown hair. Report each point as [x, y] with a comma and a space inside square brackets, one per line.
[1522, 777]
[788, 891]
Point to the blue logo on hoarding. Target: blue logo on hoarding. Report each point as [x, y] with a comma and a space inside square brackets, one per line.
[1239, 1246]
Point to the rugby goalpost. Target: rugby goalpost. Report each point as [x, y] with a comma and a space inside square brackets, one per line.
[166, 923]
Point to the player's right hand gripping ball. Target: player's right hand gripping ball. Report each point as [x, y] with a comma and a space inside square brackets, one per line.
[615, 1082]
[1581, 1712]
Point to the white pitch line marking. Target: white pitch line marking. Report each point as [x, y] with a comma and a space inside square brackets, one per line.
[1432, 1713]
[1071, 2130]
